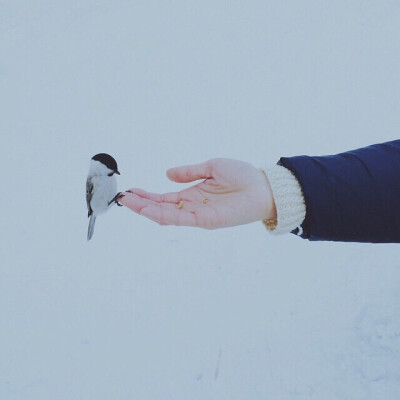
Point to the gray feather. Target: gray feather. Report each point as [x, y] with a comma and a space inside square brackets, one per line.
[89, 194]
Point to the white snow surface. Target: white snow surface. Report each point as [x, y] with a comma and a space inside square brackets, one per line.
[150, 312]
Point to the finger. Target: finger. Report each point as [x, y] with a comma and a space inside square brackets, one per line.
[171, 216]
[137, 203]
[134, 202]
[190, 173]
[173, 197]
[139, 192]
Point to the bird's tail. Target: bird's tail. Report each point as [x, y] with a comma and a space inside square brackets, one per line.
[92, 220]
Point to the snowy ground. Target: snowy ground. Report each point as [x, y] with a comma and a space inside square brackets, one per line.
[150, 312]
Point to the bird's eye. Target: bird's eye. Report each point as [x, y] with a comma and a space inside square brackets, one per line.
[111, 174]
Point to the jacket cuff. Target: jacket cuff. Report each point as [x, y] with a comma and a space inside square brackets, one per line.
[289, 199]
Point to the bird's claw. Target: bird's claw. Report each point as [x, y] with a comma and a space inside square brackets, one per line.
[118, 196]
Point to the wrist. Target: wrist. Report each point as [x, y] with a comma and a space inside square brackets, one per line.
[289, 207]
[270, 217]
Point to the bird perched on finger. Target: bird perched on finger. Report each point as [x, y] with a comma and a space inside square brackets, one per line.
[101, 186]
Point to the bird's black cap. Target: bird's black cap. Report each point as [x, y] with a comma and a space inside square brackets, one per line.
[108, 161]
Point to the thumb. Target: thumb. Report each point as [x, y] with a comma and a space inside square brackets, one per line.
[189, 173]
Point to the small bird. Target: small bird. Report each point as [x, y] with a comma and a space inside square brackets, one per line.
[101, 187]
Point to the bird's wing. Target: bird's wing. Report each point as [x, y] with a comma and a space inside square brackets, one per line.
[89, 194]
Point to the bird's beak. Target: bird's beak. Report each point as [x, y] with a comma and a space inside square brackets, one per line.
[117, 172]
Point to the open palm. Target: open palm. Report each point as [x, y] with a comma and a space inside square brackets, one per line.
[231, 193]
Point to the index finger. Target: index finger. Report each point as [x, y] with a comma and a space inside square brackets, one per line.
[172, 197]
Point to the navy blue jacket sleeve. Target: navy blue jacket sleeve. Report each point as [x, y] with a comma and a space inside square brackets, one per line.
[352, 196]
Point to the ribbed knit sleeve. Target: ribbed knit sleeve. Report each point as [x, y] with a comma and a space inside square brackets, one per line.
[288, 197]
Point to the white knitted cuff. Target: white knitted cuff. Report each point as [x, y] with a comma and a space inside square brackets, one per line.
[289, 199]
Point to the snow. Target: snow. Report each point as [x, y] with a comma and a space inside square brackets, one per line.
[150, 312]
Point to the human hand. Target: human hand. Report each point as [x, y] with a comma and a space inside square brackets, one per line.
[232, 193]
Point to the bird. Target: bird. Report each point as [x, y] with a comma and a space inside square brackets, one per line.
[101, 186]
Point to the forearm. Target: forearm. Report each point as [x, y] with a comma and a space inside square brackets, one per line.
[352, 196]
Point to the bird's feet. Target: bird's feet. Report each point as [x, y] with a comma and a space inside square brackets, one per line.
[118, 196]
